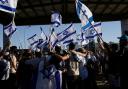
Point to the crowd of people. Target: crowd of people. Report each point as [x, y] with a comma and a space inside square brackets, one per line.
[74, 68]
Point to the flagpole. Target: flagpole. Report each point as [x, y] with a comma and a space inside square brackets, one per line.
[91, 24]
[82, 37]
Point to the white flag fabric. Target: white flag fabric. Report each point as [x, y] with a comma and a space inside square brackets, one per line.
[33, 41]
[43, 35]
[10, 29]
[56, 19]
[8, 5]
[84, 14]
[68, 32]
[43, 41]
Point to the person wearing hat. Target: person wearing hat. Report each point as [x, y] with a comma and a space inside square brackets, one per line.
[123, 60]
[123, 42]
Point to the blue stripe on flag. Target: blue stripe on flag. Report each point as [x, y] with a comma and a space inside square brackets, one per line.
[5, 27]
[8, 8]
[88, 37]
[89, 23]
[68, 41]
[95, 25]
[56, 22]
[11, 33]
[79, 5]
[31, 37]
[34, 43]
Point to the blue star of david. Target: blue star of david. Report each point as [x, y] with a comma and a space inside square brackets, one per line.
[10, 29]
[4, 1]
[92, 31]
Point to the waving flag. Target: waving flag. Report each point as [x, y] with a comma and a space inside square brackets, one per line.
[33, 40]
[84, 14]
[53, 39]
[66, 33]
[43, 35]
[10, 29]
[56, 19]
[8, 5]
[43, 41]
[91, 33]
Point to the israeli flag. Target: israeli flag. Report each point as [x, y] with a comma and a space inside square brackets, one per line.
[84, 14]
[8, 5]
[42, 42]
[33, 40]
[10, 29]
[56, 19]
[53, 39]
[68, 32]
[82, 39]
[43, 35]
[91, 32]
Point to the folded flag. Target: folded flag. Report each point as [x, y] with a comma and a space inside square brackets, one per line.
[68, 32]
[56, 19]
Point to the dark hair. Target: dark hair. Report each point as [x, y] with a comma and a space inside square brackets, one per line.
[38, 54]
[71, 46]
[126, 32]
[57, 48]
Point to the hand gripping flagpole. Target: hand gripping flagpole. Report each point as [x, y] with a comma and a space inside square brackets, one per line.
[90, 23]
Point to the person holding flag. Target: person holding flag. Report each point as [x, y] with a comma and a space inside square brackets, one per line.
[86, 17]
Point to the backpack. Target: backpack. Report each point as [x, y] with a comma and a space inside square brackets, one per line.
[4, 69]
[73, 65]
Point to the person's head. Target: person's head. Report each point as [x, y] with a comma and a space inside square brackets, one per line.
[123, 41]
[126, 33]
[82, 50]
[13, 49]
[57, 48]
[38, 54]
[71, 46]
[46, 50]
